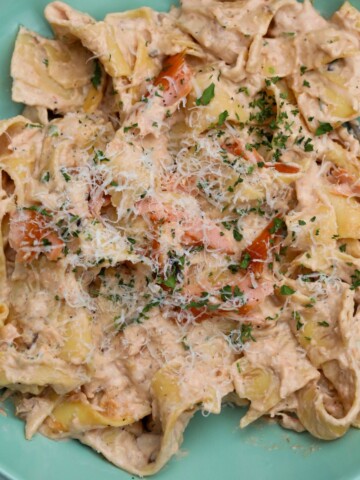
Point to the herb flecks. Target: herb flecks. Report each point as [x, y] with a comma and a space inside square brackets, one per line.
[96, 78]
[286, 290]
[100, 157]
[207, 95]
[355, 280]
[222, 118]
[323, 128]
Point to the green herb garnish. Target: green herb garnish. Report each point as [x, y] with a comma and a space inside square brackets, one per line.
[46, 177]
[66, 176]
[323, 128]
[286, 290]
[222, 117]
[245, 261]
[130, 127]
[355, 279]
[96, 78]
[207, 95]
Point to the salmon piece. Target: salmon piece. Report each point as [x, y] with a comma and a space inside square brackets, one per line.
[258, 251]
[346, 183]
[176, 183]
[253, 156]
[174, 79]
[256, 255]
[238, 148]
[253, 297]
[172, 85]
[30, 235]
[283, 167]
[156, 211]
[244, 283]
[97, 197]
[195, 231]
[97, 201]
[340, 175]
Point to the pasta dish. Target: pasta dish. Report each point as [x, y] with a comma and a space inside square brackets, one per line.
[180, 224]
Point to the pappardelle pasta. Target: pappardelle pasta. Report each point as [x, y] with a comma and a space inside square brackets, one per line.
[180, 223]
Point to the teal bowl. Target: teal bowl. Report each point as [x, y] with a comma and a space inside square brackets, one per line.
[214, 447]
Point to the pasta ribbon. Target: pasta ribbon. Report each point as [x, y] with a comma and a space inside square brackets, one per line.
[17, 369]
[264, 382]
[74, 416]
[317, 420]
[180, 223]
[43, 72]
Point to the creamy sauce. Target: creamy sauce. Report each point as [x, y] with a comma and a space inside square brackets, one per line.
[181, 223]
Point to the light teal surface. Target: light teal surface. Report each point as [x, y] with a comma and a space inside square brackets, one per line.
[214, 447]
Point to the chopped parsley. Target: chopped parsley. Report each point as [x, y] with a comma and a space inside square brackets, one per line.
[222, 117]
[175, 271]
[234, 268]
[244, 90]
[34, 125]
[185, 344]
[66, 176]
[226, 293]
[355, 280]
[237, 235]
[246, 333]
[296, 316]
[269, 81]
[308, 146]
[96, 78]
[245, 261]
[277, 225]
[130, 127]
[170, 282]
[100, 157]
[342, 247]
[241, 335]
[53, 131]
[150, 305]
[323, 128]
[74, 218]
[202, 302]
[312, 303]
[46, 177]
[36, 208]
[263, 106]
[286, 290]
[207, 95]
[197, 304]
